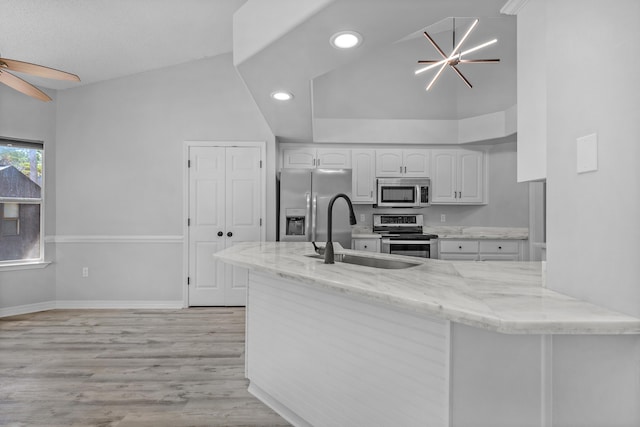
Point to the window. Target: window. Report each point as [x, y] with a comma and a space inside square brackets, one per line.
[21, 195]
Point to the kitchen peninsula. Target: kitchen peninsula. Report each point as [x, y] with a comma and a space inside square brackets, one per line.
[438, 343]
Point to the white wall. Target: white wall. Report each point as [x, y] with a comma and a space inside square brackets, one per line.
[120, 173]
[532, 92]
[592, 218]
[27, 118]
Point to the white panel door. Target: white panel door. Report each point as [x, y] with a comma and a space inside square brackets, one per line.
[225, 196]
[207, 183]
[243, 200]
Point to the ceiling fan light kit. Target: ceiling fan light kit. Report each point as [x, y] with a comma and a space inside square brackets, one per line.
[21, 85]
[455, 58]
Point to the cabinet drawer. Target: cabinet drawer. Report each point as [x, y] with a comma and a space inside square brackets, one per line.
[459, 246]
[369, 245]
[499, 247]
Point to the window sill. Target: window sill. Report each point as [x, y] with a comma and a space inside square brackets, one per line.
[24, 265]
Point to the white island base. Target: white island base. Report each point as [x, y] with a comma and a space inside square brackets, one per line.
[321, 359]
[324, 359]
[440, 344]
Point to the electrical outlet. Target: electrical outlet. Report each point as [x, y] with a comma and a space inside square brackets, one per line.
[362, 218]
[443, 218]
[85, 271]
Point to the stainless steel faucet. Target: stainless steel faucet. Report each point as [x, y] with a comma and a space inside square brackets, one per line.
[328, 251]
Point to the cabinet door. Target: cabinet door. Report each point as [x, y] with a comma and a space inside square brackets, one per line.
[443, 177]
[416, 163]
[363, 176]
[389, 163]
[470, 177]
[304, 158]
[333, 158]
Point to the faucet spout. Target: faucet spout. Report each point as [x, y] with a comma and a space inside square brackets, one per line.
[328, 252]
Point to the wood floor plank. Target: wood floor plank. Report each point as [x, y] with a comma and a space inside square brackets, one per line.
[124, 368]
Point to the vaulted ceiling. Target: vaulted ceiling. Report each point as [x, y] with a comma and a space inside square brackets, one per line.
[281, 44]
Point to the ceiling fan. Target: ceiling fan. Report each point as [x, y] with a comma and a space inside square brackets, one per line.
[455, 57]
[20, 85]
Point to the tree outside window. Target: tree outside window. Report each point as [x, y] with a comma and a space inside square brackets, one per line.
[21, 195]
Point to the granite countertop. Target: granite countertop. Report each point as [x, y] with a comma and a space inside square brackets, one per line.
[455, 232]
[505, 297]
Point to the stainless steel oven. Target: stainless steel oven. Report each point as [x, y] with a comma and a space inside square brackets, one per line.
[402, 235]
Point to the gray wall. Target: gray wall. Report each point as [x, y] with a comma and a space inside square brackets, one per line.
[117, 173]
[120, 173]
[27, 118]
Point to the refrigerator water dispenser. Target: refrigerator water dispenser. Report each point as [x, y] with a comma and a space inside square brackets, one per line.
[295, 222]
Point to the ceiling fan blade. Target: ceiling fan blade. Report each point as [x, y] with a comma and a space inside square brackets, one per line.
[479, 61]
[428, 61]
[435, 45]
[21, 86]
[464, 79]
[36, 70]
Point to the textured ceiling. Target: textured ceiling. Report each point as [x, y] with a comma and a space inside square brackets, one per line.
[105, 39]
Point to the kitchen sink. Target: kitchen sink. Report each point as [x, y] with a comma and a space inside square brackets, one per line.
[389, 264]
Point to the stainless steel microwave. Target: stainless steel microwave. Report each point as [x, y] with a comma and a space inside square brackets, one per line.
[403, 192]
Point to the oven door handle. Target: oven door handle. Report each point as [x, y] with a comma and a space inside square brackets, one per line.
[406, 242]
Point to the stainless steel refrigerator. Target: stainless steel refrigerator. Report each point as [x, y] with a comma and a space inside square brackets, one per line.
[303, 201]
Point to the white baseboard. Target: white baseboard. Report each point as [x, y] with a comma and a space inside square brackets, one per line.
[80, 304]
[27, 308]
[88, 305]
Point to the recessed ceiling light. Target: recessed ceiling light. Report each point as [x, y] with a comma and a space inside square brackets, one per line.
[281, 96]
[346, 39]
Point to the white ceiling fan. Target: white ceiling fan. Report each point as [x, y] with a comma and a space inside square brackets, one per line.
[20, 85]
[456, 57]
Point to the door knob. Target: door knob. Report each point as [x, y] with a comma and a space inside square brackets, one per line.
[220, 233]
[229, 234]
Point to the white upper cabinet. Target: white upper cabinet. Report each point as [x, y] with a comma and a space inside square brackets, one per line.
[458, 177]
[311, 158]
[402, 163]
[363, 176]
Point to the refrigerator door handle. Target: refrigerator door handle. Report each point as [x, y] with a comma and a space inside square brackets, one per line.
[314, 216]
[307, 227]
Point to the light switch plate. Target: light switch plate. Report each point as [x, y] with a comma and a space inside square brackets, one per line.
[587, 153]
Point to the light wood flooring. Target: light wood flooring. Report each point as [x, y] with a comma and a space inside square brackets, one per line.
[126, 368]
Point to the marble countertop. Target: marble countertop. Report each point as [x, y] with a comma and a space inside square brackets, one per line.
[505, 297]
[455, 232]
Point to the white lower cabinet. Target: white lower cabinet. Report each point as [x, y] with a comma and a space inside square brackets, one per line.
[368, 245]
[480, 250]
